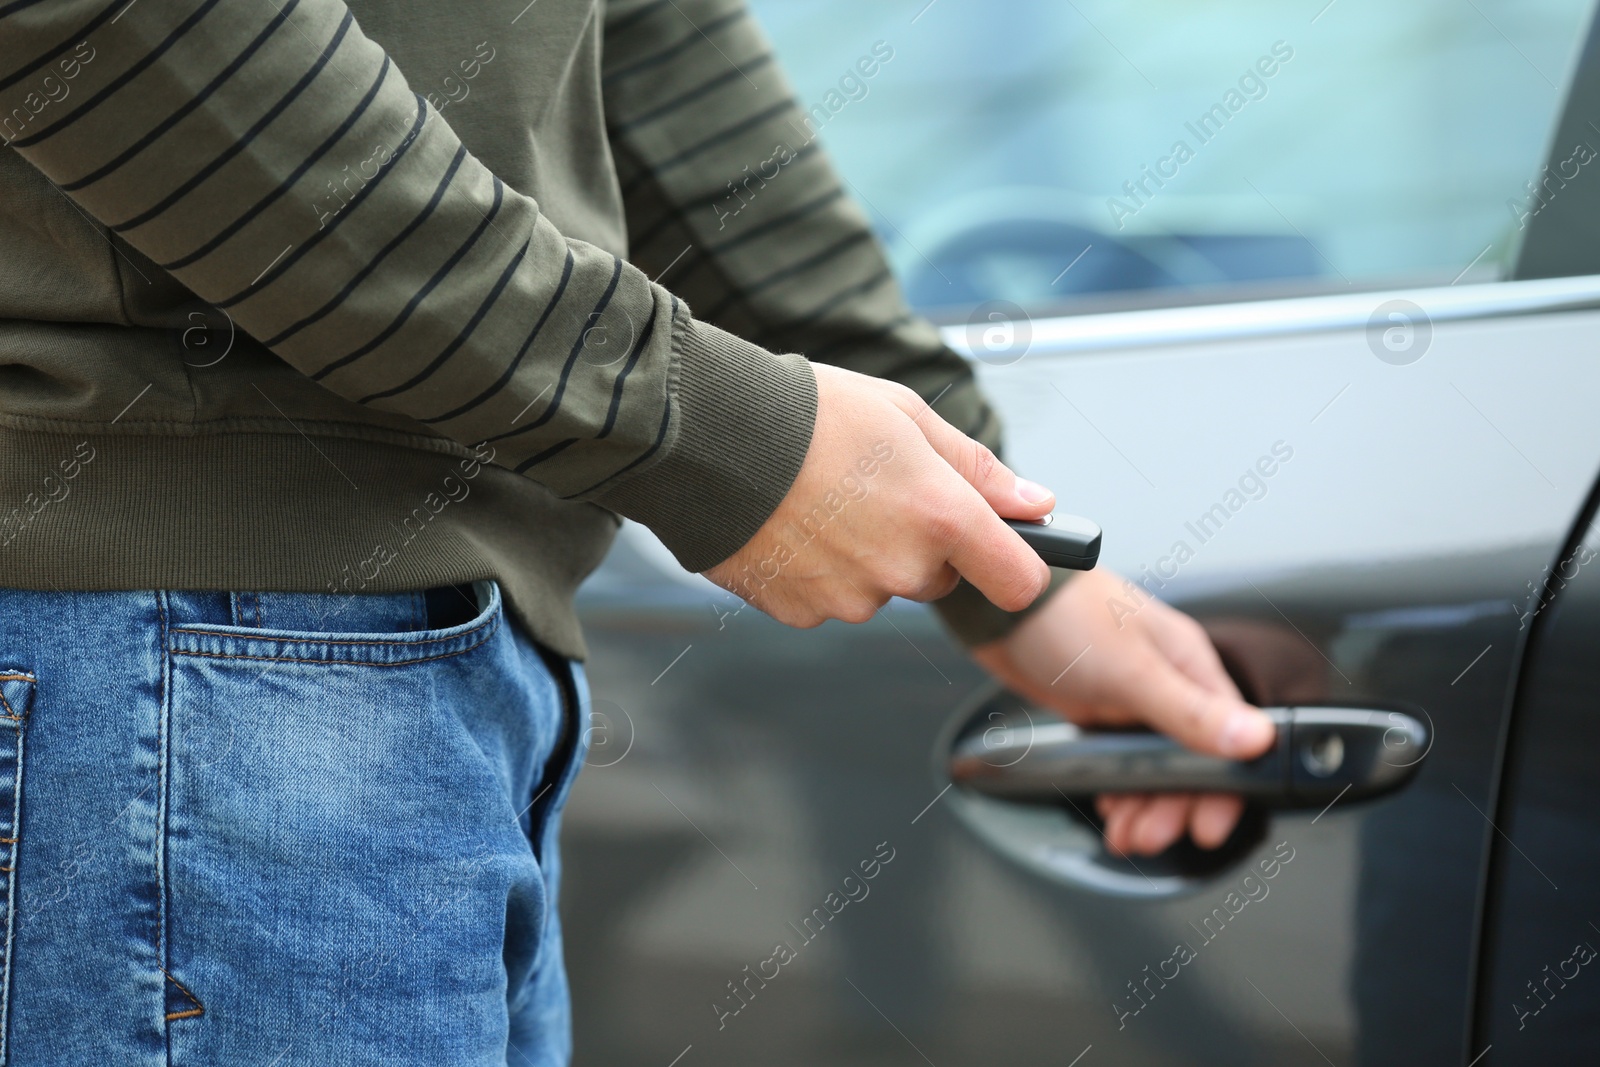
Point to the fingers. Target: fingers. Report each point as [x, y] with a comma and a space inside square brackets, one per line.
[1214, 723]
[1214, 817]
[961, 513]
[1119, 812]
[984, 550]
[1010, 496]
[1185, 642]
[1147, 824]
[991, 556]
[1144, 824]
[1160, 824]
[941, 584]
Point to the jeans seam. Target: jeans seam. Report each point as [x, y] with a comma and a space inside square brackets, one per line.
[566, 756]
[10, 869]
[163, 946]
[566, 762]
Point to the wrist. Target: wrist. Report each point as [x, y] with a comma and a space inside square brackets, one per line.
[741, 422]
[977, 624]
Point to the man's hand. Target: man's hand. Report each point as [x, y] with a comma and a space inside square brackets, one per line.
[1154, 668]
[890, 501]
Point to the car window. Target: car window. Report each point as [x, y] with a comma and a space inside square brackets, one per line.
[1060, 155]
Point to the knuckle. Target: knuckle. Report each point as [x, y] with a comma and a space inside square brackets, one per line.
[1123, 674]
[901, 396]
[946, 526]
[943, 586]
[857, 613]
[1022, 589]
[1194, 716]
[801, 618]
[1194, 633]
[1012, 600]
[907, 586]
[912, 583]
[984, 463]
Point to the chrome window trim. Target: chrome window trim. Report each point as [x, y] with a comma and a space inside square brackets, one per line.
[1154, 327]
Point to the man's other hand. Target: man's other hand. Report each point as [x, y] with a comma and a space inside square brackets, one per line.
[1154, 668]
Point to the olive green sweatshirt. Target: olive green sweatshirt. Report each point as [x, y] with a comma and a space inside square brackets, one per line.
[294, 301]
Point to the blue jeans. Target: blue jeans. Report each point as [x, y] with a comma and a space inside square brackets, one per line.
[281, 828]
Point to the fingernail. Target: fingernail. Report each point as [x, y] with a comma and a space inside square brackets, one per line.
[1033, 492]
[1245, 734]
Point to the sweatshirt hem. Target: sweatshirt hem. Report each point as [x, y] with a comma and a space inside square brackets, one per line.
[290, 513]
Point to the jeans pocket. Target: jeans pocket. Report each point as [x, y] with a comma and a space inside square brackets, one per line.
[355, 642]
[345, 840]
[16, 699]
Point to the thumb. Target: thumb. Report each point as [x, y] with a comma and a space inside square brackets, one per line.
[1011, 497]
[1216, 724]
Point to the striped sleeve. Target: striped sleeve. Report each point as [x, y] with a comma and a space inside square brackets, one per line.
[727, 191]
[202, 134]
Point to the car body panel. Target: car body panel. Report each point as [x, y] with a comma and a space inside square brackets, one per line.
[1539, 1000]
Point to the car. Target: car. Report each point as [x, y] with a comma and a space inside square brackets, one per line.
[1346, 417]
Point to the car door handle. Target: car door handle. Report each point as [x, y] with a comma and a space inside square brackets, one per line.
[1321, 754]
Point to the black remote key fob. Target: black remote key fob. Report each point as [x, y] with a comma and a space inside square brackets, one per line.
[1069, 541]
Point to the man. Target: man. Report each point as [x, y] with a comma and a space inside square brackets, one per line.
[469, 287]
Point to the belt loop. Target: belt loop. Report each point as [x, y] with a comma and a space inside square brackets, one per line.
[203, 607]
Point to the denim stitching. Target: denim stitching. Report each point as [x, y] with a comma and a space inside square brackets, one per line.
[163, 799]
[10, 869]
[187, 1013]
[10, 714]
[311, 639]
[337, 662]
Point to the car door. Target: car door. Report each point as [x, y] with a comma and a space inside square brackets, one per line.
[1537, 1003]
[1542, 889]
[1361, 491]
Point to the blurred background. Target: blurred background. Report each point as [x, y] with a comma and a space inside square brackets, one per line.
[1383, 152]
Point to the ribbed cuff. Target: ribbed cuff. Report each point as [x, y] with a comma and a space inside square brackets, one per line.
[741, 424]
[973, 621]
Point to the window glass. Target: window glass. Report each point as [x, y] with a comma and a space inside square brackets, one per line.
[1044, 152]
